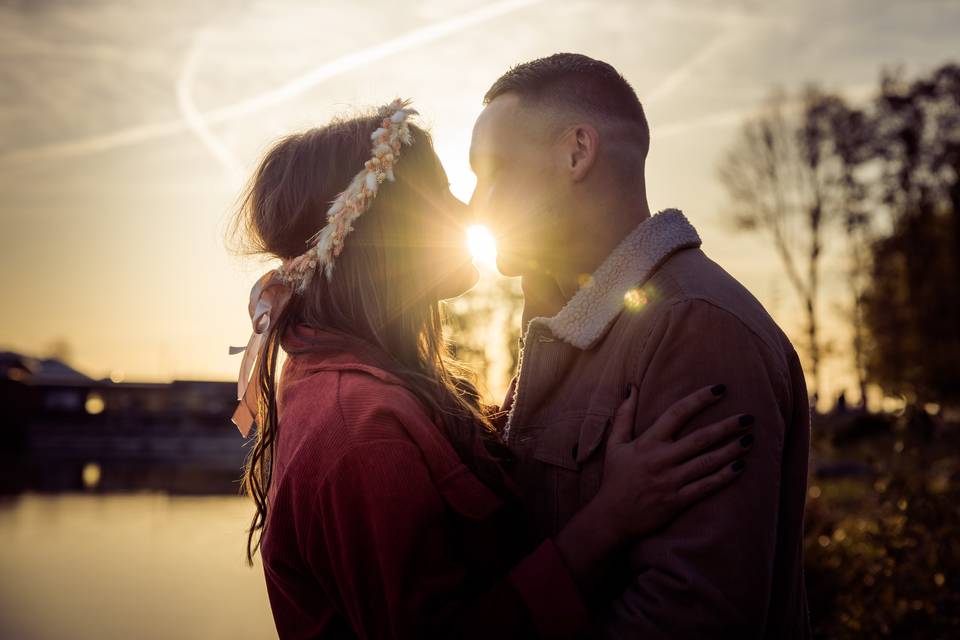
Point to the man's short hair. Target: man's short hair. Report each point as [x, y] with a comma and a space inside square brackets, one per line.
[577, 82]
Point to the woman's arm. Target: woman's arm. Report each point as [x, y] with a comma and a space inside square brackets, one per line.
[386, 549]
[648, 480]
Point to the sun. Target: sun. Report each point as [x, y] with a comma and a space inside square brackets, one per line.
[482, 246]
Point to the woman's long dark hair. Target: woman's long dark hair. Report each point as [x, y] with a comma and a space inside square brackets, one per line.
[381, 293]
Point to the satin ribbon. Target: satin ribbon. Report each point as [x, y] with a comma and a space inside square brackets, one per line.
[268, 298]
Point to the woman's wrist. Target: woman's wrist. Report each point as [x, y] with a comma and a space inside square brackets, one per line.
[587, 542]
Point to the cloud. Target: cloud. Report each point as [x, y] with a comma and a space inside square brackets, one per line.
[196, 122]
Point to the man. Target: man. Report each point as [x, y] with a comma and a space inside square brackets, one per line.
[615, 296]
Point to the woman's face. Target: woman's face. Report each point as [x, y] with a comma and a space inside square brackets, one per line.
[447, 255]
[428, 224]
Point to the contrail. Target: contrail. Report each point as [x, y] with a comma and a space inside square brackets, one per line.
[855, 93]
[723, 119]
[143, 133]
[195, 121]
[339, 66]
[679, 75]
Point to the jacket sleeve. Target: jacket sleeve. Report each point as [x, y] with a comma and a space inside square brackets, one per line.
[383, 544]
[708, 573]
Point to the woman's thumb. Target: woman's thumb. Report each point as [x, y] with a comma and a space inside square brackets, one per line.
[622, 430]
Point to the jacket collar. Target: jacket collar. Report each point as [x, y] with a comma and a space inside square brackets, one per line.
[590, 312]
[314, 349]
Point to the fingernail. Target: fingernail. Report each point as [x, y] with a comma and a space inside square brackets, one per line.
[746, 440]
[746, 420]
[737, 466]
[718, 389]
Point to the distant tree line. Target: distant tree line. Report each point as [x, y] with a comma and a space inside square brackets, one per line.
[882, 184]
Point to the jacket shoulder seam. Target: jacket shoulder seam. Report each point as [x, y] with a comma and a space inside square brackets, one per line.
[707, 300]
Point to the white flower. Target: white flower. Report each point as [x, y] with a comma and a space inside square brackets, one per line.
[354, 200]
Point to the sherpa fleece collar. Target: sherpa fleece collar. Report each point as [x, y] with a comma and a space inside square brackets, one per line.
[589, 313]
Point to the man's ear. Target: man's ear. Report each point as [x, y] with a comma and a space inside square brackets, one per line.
[582, 147]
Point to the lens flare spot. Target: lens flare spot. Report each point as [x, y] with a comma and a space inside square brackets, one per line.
[90, 475]
[635, 299]
[482, 246]
[94, 404]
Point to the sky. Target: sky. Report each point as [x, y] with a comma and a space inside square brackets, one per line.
[127, 130]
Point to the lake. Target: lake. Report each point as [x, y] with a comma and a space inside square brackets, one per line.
[129, 566]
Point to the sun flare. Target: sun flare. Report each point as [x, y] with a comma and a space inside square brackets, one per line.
[482, 246]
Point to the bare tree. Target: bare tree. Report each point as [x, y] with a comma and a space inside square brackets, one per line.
[60, 349]
[785, 179]
[852, 133]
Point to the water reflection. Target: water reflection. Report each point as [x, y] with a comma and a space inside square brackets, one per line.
[128, 566]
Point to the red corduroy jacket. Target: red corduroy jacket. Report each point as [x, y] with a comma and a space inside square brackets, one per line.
[375, 527]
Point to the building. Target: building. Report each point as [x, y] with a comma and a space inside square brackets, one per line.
[64, 431]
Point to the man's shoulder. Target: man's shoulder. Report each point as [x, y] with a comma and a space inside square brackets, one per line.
[690, 281]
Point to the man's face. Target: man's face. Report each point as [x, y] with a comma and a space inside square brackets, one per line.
[519, 189]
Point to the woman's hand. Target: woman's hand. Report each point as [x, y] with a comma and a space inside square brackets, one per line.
[648, 480]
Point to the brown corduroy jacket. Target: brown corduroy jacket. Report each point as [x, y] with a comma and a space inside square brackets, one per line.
[658, 313]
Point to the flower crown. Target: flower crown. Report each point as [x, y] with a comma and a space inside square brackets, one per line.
[327, 243]
[273, 290]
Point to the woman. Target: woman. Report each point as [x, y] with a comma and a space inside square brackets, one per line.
[383, 502]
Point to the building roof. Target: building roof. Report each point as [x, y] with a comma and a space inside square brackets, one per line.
[23, 368]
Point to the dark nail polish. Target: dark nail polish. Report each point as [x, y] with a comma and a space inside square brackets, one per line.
[627, 394]
[718, 389]
[738, 466]
[746, 440]
[746, 420]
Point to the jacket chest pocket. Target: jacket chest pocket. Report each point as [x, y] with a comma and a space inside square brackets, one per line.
[569, 454]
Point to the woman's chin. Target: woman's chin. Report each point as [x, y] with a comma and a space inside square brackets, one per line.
[459, 282]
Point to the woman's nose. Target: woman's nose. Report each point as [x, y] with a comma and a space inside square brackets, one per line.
[479, 211]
